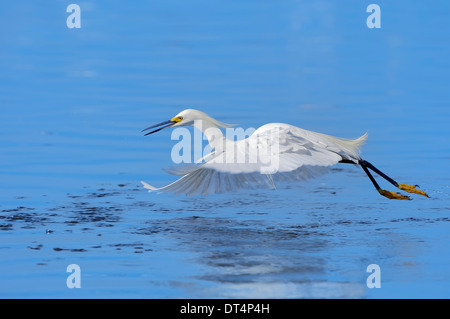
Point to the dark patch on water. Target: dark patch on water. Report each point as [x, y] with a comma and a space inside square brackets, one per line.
[21, 215]
[99, 216]
[241, 240]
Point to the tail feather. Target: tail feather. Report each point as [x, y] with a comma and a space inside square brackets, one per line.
[354, 146]
[350, 149]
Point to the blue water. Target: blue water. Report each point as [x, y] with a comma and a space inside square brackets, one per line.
[73, 103]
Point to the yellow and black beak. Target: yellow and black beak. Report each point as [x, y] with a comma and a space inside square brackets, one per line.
[163, 125]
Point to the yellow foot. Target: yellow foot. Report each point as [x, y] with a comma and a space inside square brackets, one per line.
[412, 189]
[392, 195]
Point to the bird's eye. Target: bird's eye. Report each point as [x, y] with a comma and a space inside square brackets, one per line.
[181, 118]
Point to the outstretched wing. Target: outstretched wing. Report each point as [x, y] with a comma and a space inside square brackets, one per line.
[273, 153]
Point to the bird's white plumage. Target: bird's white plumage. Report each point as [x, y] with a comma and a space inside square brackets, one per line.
[274, 152]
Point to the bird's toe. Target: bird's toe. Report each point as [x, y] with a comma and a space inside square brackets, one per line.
[412, 189]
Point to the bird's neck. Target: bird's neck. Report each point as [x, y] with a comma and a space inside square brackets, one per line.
[212, 132]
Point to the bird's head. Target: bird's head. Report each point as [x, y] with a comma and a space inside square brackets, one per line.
[185, 118]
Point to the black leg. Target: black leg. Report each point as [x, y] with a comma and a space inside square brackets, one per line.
[346, 161]
[374, 182]
[405, 187]
[408, 188]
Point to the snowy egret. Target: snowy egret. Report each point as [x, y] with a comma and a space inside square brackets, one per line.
[280, 152]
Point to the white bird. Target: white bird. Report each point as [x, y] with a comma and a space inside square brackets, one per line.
[274, 152]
